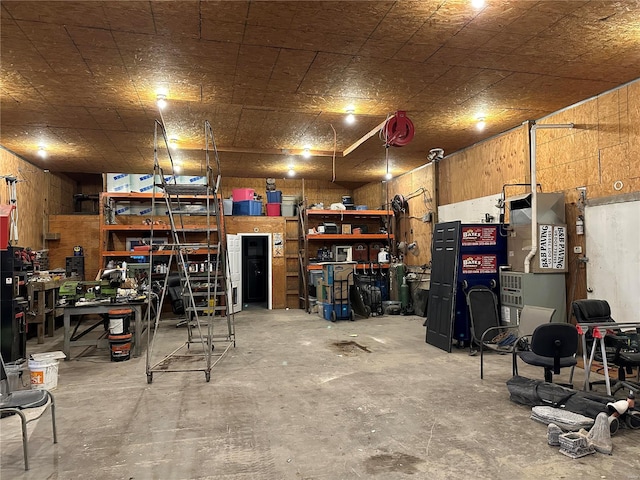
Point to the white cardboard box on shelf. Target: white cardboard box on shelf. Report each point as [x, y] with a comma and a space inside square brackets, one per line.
[118, 182]
[142, 182]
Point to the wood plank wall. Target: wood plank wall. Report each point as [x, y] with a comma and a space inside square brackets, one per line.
[315, 191]
[418, 186]
[39, 195]
[602, 149]
[83, 230]
[251, 224]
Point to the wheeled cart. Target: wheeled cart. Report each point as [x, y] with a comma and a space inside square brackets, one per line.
[337, 281]
[341, 307]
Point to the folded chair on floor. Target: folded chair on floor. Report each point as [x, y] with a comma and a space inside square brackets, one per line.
[553, 346]
[29, 405]
[622, 349]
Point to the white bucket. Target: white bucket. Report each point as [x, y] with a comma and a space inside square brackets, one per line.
[116, 326]
[44, 375]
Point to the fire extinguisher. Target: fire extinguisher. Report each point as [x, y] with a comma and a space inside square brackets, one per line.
[580, 225]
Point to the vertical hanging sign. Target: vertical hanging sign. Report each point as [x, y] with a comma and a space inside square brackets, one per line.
[552, 246]
[545, 245]
[559, 247]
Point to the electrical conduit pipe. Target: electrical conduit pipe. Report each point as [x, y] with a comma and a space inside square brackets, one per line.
[534, 190]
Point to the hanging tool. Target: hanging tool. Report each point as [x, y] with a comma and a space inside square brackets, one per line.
[12, 195]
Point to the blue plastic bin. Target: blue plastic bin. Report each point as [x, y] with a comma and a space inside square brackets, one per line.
[274, 197]
[247, 207]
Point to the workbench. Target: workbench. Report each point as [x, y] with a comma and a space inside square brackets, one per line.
[43, 297]
[73, 338]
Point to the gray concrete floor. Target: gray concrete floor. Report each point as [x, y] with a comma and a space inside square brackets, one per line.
[287, 403]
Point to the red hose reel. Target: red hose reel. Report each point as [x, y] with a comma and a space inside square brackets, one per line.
[398, 131]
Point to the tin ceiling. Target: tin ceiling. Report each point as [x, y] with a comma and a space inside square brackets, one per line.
[81, 78]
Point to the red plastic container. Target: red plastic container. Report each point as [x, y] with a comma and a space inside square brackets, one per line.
[5, 222]
[242, 194]
[273, 209]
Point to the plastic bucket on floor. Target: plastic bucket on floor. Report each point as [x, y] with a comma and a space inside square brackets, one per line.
[44, 374]
[119, 321]
[120, 347]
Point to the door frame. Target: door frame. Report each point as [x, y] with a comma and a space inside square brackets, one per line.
[269, 263]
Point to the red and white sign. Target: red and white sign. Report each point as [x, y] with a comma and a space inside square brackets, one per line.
[476, 236]
[479, 263]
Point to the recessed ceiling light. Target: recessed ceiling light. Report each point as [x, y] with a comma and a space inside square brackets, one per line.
[306, 153]
[481, 124]
[161, 101]
[173, 143]
[388, 176]
[177, 168]
[477, 3]
[42, 153]
[350, 119]
[292, 172]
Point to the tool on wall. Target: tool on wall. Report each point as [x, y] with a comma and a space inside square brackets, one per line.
[13, 200]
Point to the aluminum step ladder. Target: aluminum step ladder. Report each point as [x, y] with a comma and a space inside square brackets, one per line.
[198, 254]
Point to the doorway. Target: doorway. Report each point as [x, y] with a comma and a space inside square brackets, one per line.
[256, 271]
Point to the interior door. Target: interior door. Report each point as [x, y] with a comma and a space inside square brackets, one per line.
[442, 291]
[234, 247]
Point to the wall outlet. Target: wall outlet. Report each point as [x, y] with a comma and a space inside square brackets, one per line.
[577, 249]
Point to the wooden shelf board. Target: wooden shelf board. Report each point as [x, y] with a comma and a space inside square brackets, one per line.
[359, 266]
[354, 237]
[147, 196]
[352, 213]
[157, 253]
[164, 228]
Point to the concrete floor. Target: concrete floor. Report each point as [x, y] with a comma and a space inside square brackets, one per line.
[287, 403]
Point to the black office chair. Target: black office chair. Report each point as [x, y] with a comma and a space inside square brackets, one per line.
[553, 346]
[26, 403]
[622, 350]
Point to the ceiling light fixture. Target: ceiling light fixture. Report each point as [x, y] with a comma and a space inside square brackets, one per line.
[306, 153]
[350, 119]
[42, 153]
[173, 143]
[161, 101]
[177, 167]
[477, 4]
[481, 123]
[292, 172]
[388, 176]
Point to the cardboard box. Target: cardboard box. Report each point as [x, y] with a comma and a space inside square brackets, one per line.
[333, 293]
[332, 271]
[118, 182]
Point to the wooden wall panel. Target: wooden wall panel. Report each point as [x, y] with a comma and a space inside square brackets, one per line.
[251, 224]
[315, 191]
[373, 195]
[482, 169]
[75, 230]
[418, 187]
[39, 195]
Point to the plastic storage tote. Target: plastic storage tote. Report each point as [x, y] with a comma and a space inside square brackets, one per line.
[247, 207]
[274, 197]
[273, 209]
[242, 194]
